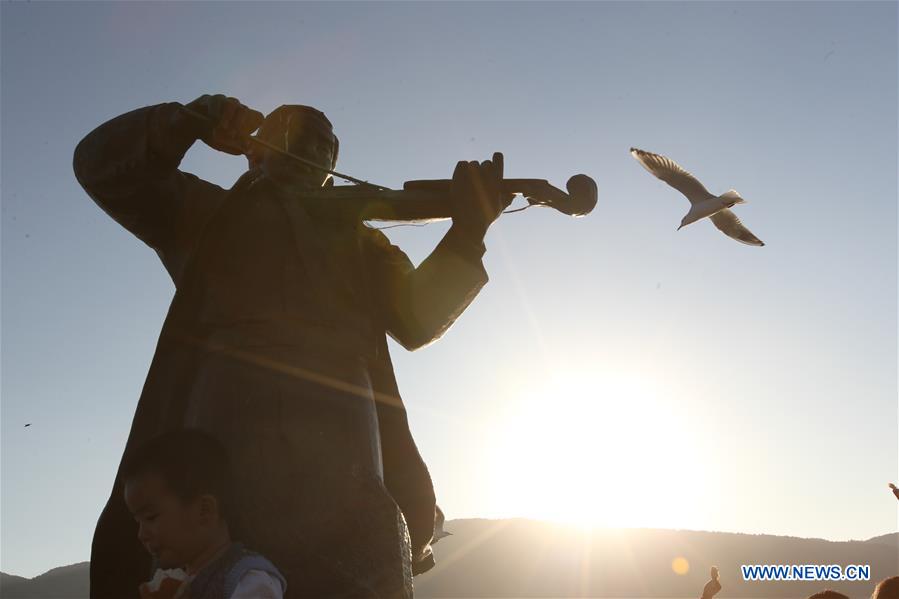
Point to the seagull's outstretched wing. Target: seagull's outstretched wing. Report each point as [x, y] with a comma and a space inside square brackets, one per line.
[731, 226]
[671, 173]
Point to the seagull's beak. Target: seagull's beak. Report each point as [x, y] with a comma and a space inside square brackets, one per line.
[680, 227]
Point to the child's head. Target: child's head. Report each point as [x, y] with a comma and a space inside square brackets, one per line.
[828, 594]
[175, 488]
[888, 588]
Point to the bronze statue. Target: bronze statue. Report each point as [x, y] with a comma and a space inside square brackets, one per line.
[275, 339]
[275, 343]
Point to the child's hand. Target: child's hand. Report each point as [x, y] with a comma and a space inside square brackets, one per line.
[164, 584]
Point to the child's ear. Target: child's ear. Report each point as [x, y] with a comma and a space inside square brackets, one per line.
[208, 508]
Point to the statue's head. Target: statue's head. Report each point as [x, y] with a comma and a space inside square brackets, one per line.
[300, 130]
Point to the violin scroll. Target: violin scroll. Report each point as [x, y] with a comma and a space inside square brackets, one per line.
[579, 201]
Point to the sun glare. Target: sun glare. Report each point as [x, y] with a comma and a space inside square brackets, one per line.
[605, 450]
[680, 566]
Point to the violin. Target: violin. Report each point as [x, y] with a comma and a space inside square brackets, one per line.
[426, 200]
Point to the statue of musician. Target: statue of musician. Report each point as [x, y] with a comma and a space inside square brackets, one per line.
[275, 342]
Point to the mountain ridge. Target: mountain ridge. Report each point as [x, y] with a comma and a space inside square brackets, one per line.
[519, 558]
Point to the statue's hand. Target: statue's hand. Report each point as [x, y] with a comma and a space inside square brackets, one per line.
[229, 123]
[477, 195]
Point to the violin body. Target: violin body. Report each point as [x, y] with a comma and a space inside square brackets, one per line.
[356, 202]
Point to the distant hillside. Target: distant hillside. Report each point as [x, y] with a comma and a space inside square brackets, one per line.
[59, 583]
[523, 558]
[7, 579]
[890, 539]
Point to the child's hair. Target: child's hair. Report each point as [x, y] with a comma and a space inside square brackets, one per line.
[828, 594]
[888, 588]
[191, 462]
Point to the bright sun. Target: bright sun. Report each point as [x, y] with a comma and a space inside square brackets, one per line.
[604, 450]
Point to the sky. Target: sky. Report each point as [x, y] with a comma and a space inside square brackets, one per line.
[614, 371]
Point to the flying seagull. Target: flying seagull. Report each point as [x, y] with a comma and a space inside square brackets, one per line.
[703, 203]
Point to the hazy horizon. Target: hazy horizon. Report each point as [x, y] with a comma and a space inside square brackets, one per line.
[559, 526]
[478, 561]
[613, 370]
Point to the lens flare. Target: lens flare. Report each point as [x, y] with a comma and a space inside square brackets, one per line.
[680, 566]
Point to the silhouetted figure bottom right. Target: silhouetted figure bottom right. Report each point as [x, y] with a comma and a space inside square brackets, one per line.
[712, 587]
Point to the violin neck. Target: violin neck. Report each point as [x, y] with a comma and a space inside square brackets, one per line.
[423, 200]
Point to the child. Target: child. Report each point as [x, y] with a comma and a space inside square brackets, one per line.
[175, 487]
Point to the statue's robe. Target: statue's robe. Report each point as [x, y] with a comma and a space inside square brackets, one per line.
[292, 367]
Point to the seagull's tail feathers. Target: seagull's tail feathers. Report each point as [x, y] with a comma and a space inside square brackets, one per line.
[732, 195]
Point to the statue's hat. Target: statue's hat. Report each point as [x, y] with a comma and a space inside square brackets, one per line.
[278, 123]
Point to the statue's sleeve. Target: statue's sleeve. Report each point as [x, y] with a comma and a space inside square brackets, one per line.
[418, 305]
[129, 166]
